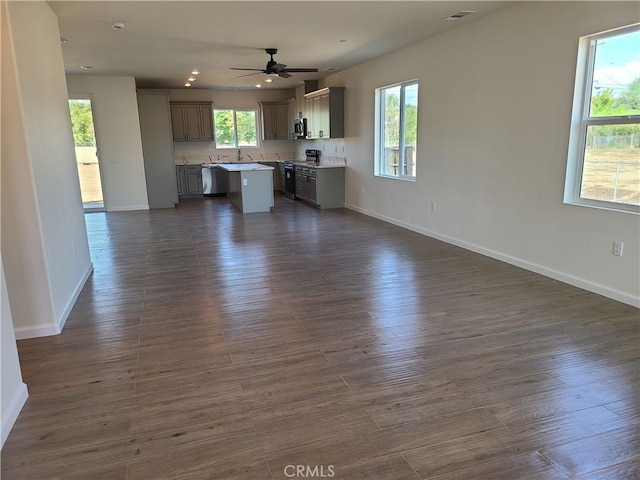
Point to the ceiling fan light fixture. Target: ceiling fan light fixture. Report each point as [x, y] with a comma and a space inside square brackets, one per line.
[268, 80]
[192, 79]
[459, 15]
[258, 85]
[195, 72]
[187, 84]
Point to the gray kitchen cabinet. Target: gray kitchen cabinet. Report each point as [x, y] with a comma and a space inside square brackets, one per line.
[276, 173]
[304, 87]
[281, 184]
[180, 180]
[192, 122]
[324, 109]
[189, 180]
[292, 115]
[274, 121]
[322, 187]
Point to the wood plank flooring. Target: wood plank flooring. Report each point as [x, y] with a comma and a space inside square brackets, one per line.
[212, 345]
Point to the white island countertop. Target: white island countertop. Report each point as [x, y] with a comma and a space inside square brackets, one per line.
[243, 167]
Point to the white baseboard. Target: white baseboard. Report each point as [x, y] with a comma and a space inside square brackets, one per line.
[518, 262]
[74, 297]
[48, 330]
[11, 412]
[128, 208]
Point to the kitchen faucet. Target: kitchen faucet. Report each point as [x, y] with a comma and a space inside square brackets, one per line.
[239, 155]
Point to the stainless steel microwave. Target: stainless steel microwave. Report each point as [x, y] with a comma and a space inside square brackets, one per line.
[300, 128]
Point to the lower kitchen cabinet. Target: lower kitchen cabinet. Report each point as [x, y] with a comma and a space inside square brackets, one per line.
[322, 187]
[277, 185]
[189, 180]
[281, 184]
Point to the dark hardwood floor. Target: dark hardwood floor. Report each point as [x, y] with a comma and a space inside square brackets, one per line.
[322, 344]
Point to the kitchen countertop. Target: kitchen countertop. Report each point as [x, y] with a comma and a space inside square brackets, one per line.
[320, 165]
[294, 162]
[240, 167]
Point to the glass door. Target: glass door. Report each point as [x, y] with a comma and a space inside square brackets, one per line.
[86, 153]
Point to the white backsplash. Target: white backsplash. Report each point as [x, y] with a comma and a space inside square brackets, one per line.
[206, 153]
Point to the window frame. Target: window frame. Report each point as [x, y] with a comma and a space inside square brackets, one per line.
[581, 121]
[235, 128]
[379, 129]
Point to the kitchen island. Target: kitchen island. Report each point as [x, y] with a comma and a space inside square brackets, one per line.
[250, 186]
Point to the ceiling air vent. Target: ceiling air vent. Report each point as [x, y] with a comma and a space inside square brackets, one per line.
[459, 15]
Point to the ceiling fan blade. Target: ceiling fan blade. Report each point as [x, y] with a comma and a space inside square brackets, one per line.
[249, 74]
[284, 74]
[248, 69]
[278, 67]
[301, 70]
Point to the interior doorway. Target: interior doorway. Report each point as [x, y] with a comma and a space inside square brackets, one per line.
[87, 154]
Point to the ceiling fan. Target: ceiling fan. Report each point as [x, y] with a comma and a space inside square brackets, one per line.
[275, 68]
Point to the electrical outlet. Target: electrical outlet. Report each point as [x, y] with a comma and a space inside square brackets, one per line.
[617, 248]
[433, 206]
[244, 182]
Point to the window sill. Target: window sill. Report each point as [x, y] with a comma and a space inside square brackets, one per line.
[602, 205]
[394, 177]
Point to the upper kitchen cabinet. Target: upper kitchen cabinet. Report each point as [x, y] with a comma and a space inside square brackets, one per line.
[292, 115]
[274, 121]
[304, 87]
[324, 110]
[192, 122]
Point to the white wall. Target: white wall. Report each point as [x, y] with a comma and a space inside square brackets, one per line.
[117, 127]
[13, 391]
[44, 240]
[494, 113]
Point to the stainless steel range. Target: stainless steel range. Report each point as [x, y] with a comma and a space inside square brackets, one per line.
[311, 155]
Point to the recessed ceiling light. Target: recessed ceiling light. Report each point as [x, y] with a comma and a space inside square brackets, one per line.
[328, 69]
[258, 85]
[268, 80]
[195, 72]
[86, 67]
[192, 79]
[117, 25]
[187, 84]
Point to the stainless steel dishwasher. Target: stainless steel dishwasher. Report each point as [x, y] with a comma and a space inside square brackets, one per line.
[215, 181]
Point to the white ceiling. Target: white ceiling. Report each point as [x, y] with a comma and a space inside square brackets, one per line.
[164, 40]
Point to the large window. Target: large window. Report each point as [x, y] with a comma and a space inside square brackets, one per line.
[235, 128]
[604, 147]
[396, 130]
